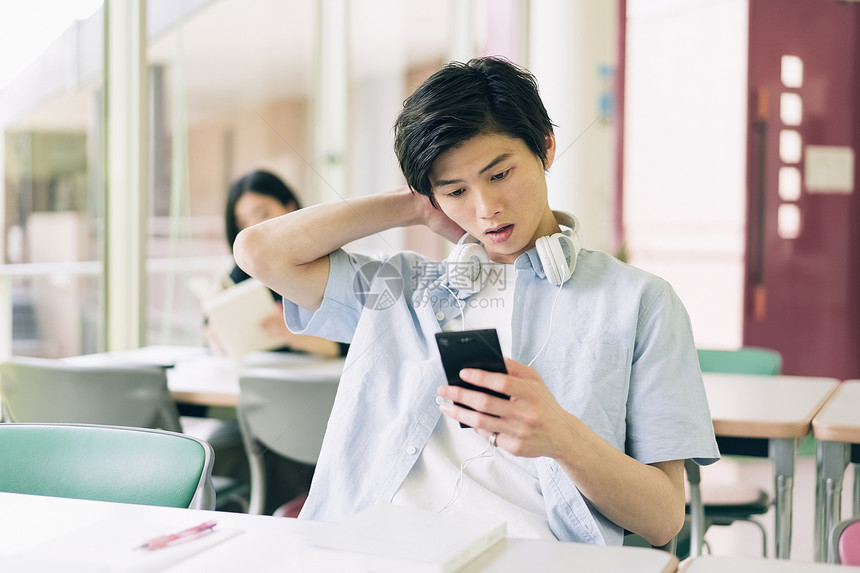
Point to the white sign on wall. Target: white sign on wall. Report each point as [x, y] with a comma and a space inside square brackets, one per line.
[829, 169]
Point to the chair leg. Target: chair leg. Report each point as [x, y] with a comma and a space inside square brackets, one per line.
[697, 510]
[763, 533]
[258, 480]
[763, 536]
[725, 522]
[856, 507]
[232, 498]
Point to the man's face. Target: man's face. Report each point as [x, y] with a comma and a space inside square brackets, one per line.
[494, 187]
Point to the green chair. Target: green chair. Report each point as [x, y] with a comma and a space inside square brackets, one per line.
[746, 360]
[106, 463]
[710, 505]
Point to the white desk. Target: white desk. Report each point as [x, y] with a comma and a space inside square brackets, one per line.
[196, 376]
[265, 543]
[836, 427]
[724, 564]
[164, 356]
[214, 381]
[777, 408]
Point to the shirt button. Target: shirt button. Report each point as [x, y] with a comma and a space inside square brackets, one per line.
[411, 450]
[440, 400]
[440, 315]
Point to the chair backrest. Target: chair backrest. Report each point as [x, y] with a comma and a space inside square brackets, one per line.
[844, 546]
[106, 463]
[48, 390]
[746, 360]
[287, 410]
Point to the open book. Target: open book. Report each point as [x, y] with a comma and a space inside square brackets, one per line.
[236, 315]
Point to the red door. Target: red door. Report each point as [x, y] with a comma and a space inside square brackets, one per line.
[802, 290]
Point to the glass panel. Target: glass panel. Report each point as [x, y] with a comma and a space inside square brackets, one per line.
[53, 196]
[791, 72]
[790, 109]
[230, 91]
[388, 58]
[789, 146]
[789, 183]
[788, 221]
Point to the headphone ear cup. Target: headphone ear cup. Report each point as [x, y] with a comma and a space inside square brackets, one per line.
[575, 243]
[553, 258]
[463, 267]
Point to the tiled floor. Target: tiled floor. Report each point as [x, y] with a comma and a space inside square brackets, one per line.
[744, 539]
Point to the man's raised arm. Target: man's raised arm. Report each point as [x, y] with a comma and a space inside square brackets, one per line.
[289, 254]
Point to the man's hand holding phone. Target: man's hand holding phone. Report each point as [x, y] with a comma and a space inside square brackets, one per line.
[529, 421]
[478, 349]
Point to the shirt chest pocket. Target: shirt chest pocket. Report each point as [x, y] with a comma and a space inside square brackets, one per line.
[591, 381]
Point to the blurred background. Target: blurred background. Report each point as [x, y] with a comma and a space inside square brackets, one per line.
[712, 142]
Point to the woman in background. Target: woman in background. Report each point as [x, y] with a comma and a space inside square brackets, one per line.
[254, 198]
[257, 197]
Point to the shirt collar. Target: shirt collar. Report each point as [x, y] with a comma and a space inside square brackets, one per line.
[447, 304]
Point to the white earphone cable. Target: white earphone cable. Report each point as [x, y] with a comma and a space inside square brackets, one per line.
[459, 304]
[490, 450]
[549, 330]
[458, 485]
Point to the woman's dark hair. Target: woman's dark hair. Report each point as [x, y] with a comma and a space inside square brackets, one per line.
[262, 183]
[460, 101]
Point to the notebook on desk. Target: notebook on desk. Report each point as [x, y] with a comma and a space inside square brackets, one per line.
[113, 546]
[388, 538]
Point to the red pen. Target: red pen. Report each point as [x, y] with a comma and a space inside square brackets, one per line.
[165, 540]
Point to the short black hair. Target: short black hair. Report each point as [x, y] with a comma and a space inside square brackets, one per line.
[460, 101]
[263, 183]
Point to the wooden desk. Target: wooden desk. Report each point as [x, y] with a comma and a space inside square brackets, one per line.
[214, 381]
[836, 427]
[265, 543]
[777, 408]
[724, 564]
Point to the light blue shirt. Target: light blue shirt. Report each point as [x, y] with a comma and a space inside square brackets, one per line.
[621, 357]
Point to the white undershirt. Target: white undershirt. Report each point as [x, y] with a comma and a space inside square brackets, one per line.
[502, 485]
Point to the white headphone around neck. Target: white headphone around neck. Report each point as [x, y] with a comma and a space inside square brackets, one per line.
[557, 254]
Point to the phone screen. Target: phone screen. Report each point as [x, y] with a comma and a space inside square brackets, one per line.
[470, 349]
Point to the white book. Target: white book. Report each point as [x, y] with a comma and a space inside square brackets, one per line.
[236, 315]
[389, 538]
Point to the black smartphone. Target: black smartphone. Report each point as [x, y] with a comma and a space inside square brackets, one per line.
[471, 349]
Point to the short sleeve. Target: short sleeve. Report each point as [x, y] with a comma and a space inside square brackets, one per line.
[337, 316]
[668, 417]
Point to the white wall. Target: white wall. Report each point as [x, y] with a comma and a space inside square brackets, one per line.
[570, 41]
[685, 155]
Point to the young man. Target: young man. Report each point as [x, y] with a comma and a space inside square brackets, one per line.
[593, 437]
